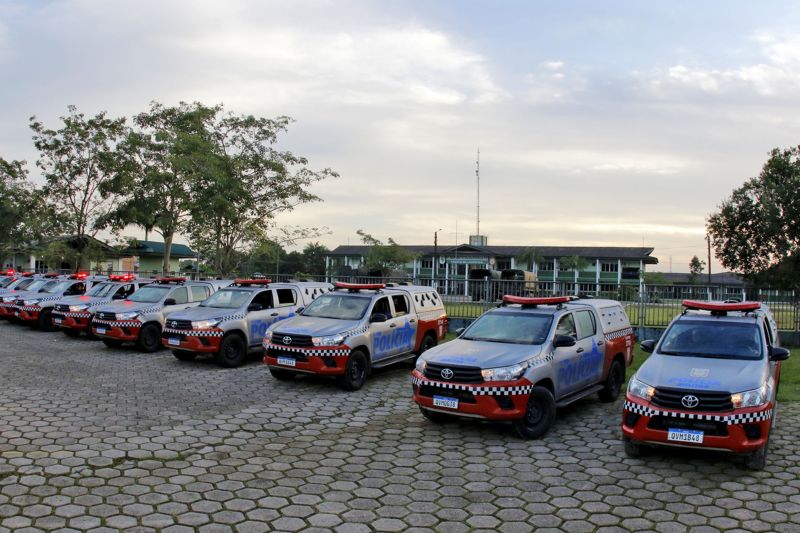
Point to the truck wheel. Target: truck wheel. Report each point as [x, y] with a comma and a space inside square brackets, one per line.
[45, 321]
[183, 355]
[428, 342]
[74, 333]
[282, 375]
[355, 373]
[149, 339]
[758, 459]
[112, 343]
[632, 449]
[435, 416]
[232, 352]
[613, 383]
[540, 412]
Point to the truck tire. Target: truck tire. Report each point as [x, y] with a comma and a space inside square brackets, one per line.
[428, 342]
[613, 383]
[45, 322]
[435, 416]
[149, 339]
[184, 355]
[632, 449]
[355, 373]
[758, 459]
[540, 413]
[74, 333]
[112, 343]
[232, 352]
[282, 375]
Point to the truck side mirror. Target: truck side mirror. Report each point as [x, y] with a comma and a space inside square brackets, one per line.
[648, 345]
[563, 341]
[299, 310]
[778, 354]
[170, 301]
[378, 317]
[459, 331]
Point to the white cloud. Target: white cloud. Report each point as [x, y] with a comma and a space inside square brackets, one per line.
[580, 161]
[552, 82]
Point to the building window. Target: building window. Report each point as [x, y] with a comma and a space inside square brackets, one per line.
[546, 266]
[427, 263]
[609, 266]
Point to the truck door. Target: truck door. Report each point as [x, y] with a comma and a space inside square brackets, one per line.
[591, 346]
[381, 329]
[259, 321]
[181, 297]
[403, 325]
[566, 358]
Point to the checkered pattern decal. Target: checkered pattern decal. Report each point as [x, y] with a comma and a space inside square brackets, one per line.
[335, 351]
[356, 331]
[619, 333]
[542, 360]
[84, 314]
[236, 316]
[117, 323]
[742, 418]
[196, 332]
[477, 390]
[27, 308]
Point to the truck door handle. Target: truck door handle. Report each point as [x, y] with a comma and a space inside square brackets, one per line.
[579, 350]
[412, 320]
[392, 325]
[599, 343]
[274, 314]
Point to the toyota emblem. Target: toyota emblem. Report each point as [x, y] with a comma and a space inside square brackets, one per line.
[447, 373]
[690, 401]
[287, 340]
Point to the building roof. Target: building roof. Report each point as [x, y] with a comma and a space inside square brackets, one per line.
[145, 248]
[594, 252]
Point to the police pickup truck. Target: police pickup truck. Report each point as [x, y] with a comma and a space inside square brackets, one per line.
[232, 322]
[36, 308]
[711, 382]
[521, 361]
[73, 314]
[140, 317]
[355, 328]
[20, 283]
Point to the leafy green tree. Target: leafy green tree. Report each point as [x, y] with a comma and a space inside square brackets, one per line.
[530, 257]
[157, 167]
[246, 184]
[758, 225]
[385, 258]
[76, 161]
[574, 263]
[314, 259]
[696, 267]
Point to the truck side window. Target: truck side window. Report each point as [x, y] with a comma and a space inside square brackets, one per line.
[199, 293]
[264, 298]
[77, 288]
[382, 306]
[767, 333]
[586, 323]
[180, 295]
[400, 305]
[566, 326]
[285, 297]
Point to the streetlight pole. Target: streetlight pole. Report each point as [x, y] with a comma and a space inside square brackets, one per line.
[435, 251]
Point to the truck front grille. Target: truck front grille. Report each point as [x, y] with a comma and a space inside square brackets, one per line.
[461, 374]
[291, 339]
[708, 401]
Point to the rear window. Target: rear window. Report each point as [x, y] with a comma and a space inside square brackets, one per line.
[199, 293]
[285, 297]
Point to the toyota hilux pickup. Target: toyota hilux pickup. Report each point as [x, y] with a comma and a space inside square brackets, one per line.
[355, 328]
[711, 382]
[8, 294]
[140, 317]
[73, 314]
[35, 309]
[519, 362]
[231, 323]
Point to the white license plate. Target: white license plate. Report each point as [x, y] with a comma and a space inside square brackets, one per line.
[101, 331]
[16, 313]
[174, 341]
[685, 435]
[56, 321]
[444, 401]
[287, 361]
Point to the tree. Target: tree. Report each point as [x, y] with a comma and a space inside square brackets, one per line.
[575, 263]
[758, 226]
[314, 259]
[245, 184]
[531, 257]
[76, 161]
[696, 268]
[157, 168]
[384, 258]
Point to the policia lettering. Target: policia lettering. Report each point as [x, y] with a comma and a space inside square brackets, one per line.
[401, 339]
[584, 368]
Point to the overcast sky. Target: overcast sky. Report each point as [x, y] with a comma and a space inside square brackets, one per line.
[599, 123]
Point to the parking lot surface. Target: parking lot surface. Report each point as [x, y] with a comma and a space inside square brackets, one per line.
[93, 438]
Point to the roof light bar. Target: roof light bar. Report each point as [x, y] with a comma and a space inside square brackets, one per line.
[121, 277]
[359, 286]
[532, 302]
[721, 306]
[170, 280]
[251, 282]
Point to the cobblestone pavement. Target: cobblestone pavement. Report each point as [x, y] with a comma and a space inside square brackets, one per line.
[93, 438]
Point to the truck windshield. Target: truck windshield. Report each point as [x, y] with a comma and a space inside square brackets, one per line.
[6, 282]
[514, 328]
[41, 285]
[150, 294]
[723, 340]
[102, 289]
[341, 306]
[26, 284]
[227, 299]
[56, 287]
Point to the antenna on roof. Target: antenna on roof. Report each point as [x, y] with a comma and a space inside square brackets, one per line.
[478, 206]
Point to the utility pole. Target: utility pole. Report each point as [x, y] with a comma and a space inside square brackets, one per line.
[708, 242]
[436, 251]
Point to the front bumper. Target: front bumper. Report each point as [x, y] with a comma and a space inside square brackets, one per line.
[738, 431]
[324, 360]
[27, 313]
[496, 400]
[6, 310]
[121, 330]
[79, 321]
[193, 340]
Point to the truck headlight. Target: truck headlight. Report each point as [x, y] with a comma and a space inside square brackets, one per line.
[640, 389]
[77, 308]
[751, 398]
[30, 302]
[127, 316]
[421, 364]
[505, 373]
[331, 340]
[205, 324]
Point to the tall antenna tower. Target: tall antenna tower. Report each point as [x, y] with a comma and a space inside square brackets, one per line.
[478, 206]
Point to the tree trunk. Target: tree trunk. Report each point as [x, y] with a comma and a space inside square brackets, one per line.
[167, 252]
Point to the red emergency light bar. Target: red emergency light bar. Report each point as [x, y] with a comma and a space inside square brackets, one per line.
[359, 286]
[11, 272]
[170, 280]
[79, 275]
[522, 300]
[121, 277]
[27, 274]
[252, 282]
[721, 306]
[52, 275]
